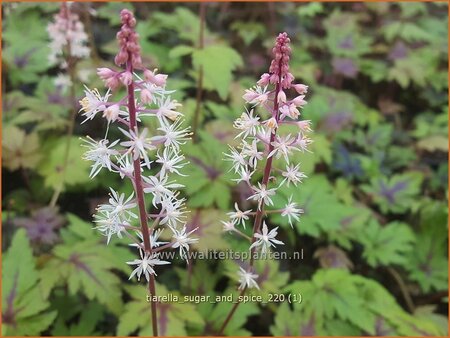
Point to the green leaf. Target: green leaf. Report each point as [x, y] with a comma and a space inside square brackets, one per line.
[184, 22]
[85, 265]
[353, 304]
[218, 63]
[333, 294]
[428, 261]
[310, 10]
[179, 51]
[248, 31]
[306, 324]
[395, 194]
[434, 143]
[427, 313]
[20, 150]
[197, 281]
[311, 195]
[52, 168]
[209, 230]
[408, 31]
[380, 302]
[173, 317]
[207, 181]
[89, 316]
[413, 69]
[387, 245]
[26, 49]
[215, 314]
[25, 308]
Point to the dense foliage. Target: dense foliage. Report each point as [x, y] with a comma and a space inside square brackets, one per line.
[374, 230]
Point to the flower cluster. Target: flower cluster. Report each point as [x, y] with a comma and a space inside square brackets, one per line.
[261, 143]
[68, 43]
[136, 151]
[67, 34]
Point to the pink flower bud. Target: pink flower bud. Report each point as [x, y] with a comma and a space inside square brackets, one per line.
[105, 73]
[274, 78]
[293, 112]
[157, 79]
[264, 81]
[160, 80]
[146, 96]
[281, 97]
[126, 78]
[137, 60]
[286, 83]
[148, 75]
[298, 101]
[300, 88]
[121, 57]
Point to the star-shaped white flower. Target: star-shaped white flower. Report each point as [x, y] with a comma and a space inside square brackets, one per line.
[247, 123]
[283, 146]
[100, 153]
[183, 241]
[244, 176]
[291, 210]
[303, 142]
[266, 239]
[109, 225]
[251, 151]
[93, 103]
[170, 161]
[173, 211]
[138, 145]
[118, 207]
[145, 265]
[168, 109]
[239, 215]
[159, 187]
[228, 225]
[237, 158]
[127, 167]
[173, 134]
[247, 279]
[154, 242]
[262, 195]
[293, 175]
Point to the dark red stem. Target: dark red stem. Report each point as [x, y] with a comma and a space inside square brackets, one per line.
[231, 313]
[140, 198]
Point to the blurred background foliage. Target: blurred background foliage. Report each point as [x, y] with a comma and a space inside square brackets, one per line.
[374, 232]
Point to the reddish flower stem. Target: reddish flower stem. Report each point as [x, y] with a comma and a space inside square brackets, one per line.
[140, 199]
[260, 212]
[231, 313]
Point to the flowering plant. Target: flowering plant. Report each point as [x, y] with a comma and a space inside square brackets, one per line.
[67, 35]
[130, 156]
[68, 45]
[260, 143]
